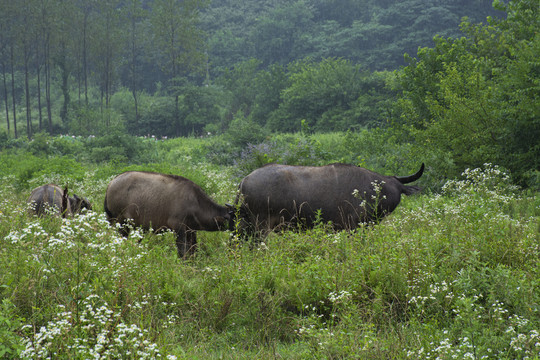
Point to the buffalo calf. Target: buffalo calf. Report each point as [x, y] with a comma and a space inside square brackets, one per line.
[56, 200]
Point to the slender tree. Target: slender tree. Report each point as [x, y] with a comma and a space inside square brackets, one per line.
[47, 22]
[83, 12]
[6, 102]
[38, 75]
[136, 14]
[13, 97]
[4, 44]
[179, 41]
[62, 45]
[27, 37]
[110, 34]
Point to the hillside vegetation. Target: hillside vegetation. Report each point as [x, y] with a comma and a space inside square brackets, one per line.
[462, 101]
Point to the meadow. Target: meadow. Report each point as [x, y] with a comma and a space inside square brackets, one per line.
[452, 273]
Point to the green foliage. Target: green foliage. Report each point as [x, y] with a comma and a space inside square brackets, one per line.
[157, 118]
[446, 275]
[315, 90]
[26, 167]
[373, 33]
[284, 149]
[202, 108]
[478, 307]
[331, 95]
[87, 121]
[10, 324]
[475, 98]
[268, 85]
[140, 66]
[119, 147]
[239, 82]
[243, 131]
[277, 37]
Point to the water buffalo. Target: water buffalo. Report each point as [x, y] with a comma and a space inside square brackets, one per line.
[161, 201]
[57, 200]
[345, 195]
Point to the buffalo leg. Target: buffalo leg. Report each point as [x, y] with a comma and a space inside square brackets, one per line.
[185, 242]
[124, 230]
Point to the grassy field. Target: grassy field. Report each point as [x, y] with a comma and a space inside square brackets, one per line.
[452, 274]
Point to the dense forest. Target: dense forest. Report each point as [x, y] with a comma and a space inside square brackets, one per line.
[83, 66]
[459, 79]
[374, 34]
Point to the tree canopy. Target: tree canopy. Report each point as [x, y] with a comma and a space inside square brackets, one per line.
[477, 97]
[458, 79]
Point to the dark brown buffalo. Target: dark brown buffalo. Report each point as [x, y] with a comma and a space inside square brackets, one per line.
[56, 200]
[345, 195]
[161, 201]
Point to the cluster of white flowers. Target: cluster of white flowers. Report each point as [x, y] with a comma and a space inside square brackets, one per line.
[95, 331]
[446, 349]
[335, 237]
[517, 336]
[377, 187]
[214, 273]
[335, 297]
[435, 292]
[306, 329]
[490, 180]
[527, 343]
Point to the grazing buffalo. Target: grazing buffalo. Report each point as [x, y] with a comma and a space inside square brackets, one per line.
[57, 200]
[345, 195]
[161, 201]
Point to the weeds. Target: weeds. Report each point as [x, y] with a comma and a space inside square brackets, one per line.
[453, 275]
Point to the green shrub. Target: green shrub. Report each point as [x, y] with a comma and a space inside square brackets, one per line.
[10, 342]
[243, 131]
[120, 147]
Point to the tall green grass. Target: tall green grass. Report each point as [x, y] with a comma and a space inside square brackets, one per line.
[453, 275]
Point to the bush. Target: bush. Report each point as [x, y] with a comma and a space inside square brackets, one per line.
[27, 168]
[157, 119]
[287, 149]
[243, 131]
[10, 343]
[217, 150]
[92, 120]
[120, 147]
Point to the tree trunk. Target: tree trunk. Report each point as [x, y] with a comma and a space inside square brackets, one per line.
[27, 93]
[62, 64]
[65, 92]
[6, 96]
[106, 86]
[134, 69]
[38, 72]
[108, 73]
[85, 65]
[48, 83]
[13, 98]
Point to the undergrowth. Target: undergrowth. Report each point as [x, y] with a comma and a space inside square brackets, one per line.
[449, 275]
